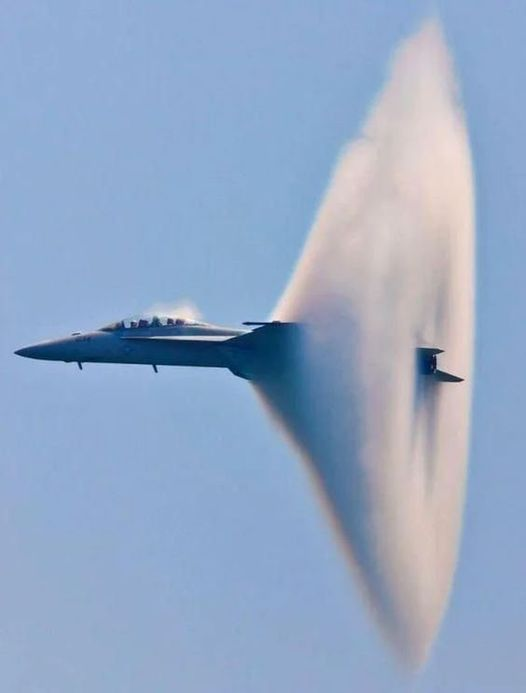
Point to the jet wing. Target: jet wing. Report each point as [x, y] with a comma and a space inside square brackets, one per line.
[265, 334]
[263, 323]
[178, 338]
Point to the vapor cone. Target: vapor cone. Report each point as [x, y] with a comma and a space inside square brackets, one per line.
[388, 267]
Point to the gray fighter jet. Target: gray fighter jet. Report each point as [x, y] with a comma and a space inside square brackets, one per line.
[169, 341]
[253, 354]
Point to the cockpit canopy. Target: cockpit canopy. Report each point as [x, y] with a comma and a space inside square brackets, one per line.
[144, 321]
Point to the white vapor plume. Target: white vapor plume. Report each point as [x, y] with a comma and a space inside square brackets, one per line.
[388, 267]
[183, 308]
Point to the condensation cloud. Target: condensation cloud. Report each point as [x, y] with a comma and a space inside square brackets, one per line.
[183, 308]
[388, 267]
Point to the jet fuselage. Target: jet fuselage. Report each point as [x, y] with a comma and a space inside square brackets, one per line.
[170, 342]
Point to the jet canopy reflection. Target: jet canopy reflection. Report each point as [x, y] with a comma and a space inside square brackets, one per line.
[144, 321]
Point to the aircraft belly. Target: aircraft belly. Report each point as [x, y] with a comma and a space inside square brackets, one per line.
[161, 354]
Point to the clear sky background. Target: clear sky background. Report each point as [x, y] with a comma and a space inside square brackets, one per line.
[156, 533]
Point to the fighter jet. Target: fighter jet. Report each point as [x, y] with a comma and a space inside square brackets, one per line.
[170, 341]
[252, 354]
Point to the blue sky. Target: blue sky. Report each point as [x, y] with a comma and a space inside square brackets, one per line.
[156, 533]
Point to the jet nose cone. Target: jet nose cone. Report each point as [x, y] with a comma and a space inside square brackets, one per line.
[28, 352]
[54, 350]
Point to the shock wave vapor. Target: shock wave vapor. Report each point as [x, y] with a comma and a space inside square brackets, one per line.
[366, 363]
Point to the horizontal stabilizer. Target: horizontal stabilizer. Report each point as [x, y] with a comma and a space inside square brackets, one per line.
[427, 365]
[429, 351]
[447, 377]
